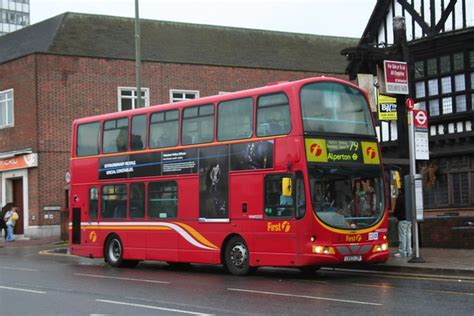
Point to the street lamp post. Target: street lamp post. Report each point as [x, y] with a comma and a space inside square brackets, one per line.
[138, 62]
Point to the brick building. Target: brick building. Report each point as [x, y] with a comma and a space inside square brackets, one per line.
[76, 65]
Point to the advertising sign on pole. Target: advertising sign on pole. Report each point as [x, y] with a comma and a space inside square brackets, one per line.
[396, 77]
[387, 108]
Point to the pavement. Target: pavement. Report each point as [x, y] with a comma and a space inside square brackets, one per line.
[437, 261]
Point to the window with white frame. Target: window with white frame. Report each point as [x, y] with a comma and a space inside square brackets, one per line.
[182, 95]
[6, 108]
[127, 98]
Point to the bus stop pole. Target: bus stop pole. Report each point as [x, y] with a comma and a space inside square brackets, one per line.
[411, 144]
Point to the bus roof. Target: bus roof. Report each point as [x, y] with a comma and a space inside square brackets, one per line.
[269, 88]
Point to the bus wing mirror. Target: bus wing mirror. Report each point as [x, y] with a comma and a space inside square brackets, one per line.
[286, 187]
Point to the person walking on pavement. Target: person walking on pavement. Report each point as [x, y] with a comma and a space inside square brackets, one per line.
[404, 227]
[3, 224]
[10, 218]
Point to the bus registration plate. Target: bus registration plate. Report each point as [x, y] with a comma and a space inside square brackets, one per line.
[352, 258]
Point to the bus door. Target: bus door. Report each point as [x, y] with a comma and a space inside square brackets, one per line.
[80, 200]
[275, 241]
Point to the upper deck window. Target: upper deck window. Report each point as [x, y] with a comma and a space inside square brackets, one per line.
[273, 115]
[164, 129]
[235, 119]
[88, 139]
[329, 107]
[115, 136]
[198, 125]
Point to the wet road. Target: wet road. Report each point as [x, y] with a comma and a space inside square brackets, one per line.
[38, 284]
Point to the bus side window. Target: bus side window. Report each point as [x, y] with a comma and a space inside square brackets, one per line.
[93, 203]
[115, 136]
[300, 196]
[164, 129]
[277, 203]
[114, 201]
[273, 115]
[235, 119]
[138, 137]
[137, 200]
[87, 143]
[163, 199]
[198, 125]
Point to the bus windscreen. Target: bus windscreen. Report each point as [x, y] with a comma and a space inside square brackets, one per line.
[330, 107]
[347, 197]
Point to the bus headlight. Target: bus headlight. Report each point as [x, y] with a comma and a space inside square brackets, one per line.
[324, 250]
[380, 248]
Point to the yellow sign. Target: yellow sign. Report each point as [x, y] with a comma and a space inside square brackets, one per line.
[283, 227]
[370, 153]
[387, 108]
[316, 150]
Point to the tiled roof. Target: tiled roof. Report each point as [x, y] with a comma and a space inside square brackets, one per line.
[113, 37]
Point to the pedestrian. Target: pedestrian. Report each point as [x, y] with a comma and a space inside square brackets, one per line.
[404, 227]
[10, 218]
[3, 224]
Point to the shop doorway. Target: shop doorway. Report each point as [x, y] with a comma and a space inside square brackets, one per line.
[17, 193]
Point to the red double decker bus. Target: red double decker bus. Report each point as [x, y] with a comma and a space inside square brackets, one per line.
[287, 175]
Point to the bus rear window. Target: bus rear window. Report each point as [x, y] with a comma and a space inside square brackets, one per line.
[88, 139]
[329, 107]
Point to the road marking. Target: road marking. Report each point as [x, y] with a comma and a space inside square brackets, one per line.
[401, 275]
[19, 269]
[22, 290]
[305, 296]
[374, 285]
[154, 307]
[120, 278]
[451, 292]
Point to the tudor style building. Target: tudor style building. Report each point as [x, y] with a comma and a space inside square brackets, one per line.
[438, 45]
[76, 65]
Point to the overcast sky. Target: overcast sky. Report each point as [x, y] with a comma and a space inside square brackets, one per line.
[324, 17]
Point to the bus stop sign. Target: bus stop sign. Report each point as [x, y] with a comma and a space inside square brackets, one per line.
[410, 104]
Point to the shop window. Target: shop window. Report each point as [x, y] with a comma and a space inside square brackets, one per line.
[445, 64]
[432, 67]
[458, 61]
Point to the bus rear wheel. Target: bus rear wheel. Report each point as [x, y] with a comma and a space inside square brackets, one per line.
[114, 253]
[237, 256]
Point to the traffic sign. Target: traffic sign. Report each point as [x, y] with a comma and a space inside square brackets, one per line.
[420, 119]
[410, 104]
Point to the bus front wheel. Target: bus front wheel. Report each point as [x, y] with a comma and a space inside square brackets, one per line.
[114, 253]
[237, 256]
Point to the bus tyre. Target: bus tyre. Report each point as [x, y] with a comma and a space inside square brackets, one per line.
[114, 253]
[309, 270]
[237, 256]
